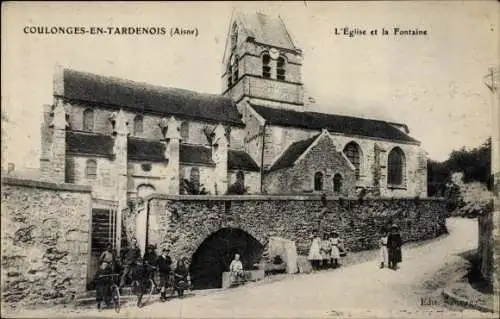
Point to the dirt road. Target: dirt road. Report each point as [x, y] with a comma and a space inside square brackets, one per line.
[361, 290]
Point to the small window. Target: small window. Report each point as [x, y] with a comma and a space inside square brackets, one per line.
[234, 36]
[184, 131]
[337, 183]
[88, 120]
[266, 68]
[235, 69]
[229, 75]
[318, 181]
[138, 125]
[91, 170]
[280, 69]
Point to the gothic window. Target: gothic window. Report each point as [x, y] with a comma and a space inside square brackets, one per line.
[266, 68]
[353, 152]
[88, 120]
[138, 125]
[195, 177]
[280, 69]
[396, 167]
[91, 169]
[240, 177]
[337, 183]
[318, 181]
[69, 176]
[184, 131]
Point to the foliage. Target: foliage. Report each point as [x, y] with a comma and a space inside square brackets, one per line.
[237, 189]
[190, 188]
[475, 164]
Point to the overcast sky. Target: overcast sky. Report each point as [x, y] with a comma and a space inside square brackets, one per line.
[432, 83]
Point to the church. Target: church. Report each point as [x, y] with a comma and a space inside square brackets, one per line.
[127, 139]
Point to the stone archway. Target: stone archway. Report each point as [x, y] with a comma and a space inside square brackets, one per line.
[216, 252]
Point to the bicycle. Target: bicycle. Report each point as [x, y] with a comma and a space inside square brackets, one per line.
[115, 292]
[143, 288]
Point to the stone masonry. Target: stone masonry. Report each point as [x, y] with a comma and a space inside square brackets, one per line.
[184, 223]
[45, 242]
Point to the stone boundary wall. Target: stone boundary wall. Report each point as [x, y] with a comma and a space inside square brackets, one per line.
[45, 242]
[184, 222]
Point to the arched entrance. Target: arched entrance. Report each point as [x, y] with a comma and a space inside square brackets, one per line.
[217, 251]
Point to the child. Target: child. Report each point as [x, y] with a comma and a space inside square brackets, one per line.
[236, 269]
[103, 283]
[384, 255]
[314, 252]
[335, 243]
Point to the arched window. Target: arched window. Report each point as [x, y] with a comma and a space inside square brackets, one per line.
[195, 177]
[240, 177]
[184, 131]
[337, 183]
[229, 75]
[91, 169]
[318, 181]
[88, 120]
[353, 152]
[138, 125]
[280, 68]
[396, 167]
[266, 68]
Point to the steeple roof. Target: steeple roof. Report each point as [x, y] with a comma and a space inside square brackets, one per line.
[266, 29]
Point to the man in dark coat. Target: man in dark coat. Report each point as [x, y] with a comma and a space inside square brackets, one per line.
[130, 262]
[394, 243]
[164, 264]
[103, 281]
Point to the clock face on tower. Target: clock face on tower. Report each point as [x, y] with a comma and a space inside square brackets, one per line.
[274, 53]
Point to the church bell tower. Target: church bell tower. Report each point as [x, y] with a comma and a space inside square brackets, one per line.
[261, 63]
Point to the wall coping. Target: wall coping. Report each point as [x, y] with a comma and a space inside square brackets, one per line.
[272, 197]
[16, 181]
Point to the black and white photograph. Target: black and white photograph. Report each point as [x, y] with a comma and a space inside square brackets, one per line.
[293, 159]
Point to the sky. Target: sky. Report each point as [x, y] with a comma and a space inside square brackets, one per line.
[433, 83]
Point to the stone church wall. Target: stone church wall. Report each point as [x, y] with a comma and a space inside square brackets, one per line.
[299, 178]
[45, 241]
[183, 223]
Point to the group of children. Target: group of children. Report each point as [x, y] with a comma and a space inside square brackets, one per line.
[326, 252]
[140, 269]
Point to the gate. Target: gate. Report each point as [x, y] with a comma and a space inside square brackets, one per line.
[103, 232]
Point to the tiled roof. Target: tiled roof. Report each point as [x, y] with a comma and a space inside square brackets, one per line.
[334, 123]
[98, 89]
[267, 29]
[145, 150]
[241, 160]
[195, 154]
[153, 151]
[292, 153]
[87, 143]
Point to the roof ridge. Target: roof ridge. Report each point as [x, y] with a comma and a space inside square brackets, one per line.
[136, 82]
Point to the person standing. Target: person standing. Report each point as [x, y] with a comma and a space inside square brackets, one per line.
[103, 281]
[164, 264]
[394, 243]
[384, 255]
[181, 274]
[335, 254]
[132, 255]
[314, 252]
[109, 257]
[326, 251]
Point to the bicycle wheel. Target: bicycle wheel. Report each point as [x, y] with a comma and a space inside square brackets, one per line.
[148, 291]
[116, 298]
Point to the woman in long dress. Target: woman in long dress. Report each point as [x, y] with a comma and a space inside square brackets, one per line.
[314, 252]
[384, 255]
[335, 254]
[394, 243]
